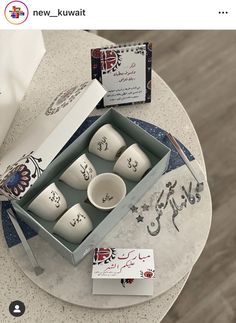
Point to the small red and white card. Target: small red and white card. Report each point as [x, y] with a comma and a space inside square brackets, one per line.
[123, 271]
[125, 71]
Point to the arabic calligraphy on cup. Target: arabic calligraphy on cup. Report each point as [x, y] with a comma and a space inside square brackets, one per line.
[79, 174]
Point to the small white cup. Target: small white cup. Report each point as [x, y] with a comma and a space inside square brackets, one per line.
[79, 174]
[74, 225]
[133, 163]
[49, 204]
[106, 190]
[107, 143]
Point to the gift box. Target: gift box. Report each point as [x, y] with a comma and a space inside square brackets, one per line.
[30, 155]
[42, 168]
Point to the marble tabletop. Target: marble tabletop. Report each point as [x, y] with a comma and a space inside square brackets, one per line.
[63, 65]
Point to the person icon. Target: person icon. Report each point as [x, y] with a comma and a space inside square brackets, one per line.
[17, 309]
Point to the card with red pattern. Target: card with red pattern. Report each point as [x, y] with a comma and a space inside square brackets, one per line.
[125, 72]
[123, 271]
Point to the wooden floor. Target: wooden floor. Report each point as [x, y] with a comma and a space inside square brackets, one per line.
[200, 67]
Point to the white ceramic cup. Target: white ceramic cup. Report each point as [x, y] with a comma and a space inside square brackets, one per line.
[106, 190]
[79, 174]
[74, 225]
[133, 163]
[49, 204]
[107, 143]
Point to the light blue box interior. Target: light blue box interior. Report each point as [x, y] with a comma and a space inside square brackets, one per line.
[102, 221]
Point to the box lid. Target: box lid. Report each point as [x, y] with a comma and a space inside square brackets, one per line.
[41, 142]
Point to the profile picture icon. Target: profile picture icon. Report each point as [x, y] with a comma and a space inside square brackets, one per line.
[17, 308]
[16, 12]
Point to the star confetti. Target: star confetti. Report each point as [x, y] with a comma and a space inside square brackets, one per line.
[134, 209]
[139, 218]
[145, 207]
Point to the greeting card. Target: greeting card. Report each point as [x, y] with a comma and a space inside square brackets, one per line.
[123, 271]
[125, 72]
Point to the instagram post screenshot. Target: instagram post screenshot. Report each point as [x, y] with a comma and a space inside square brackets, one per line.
[117, 161]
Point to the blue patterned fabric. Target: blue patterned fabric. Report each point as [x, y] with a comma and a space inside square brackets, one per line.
[11, 236]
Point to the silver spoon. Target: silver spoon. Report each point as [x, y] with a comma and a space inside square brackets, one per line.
[200, 185]
[37, 269]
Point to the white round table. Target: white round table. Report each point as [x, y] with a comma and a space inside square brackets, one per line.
[67, 62]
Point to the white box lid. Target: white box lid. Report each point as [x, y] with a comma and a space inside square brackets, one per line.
[41, 142]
